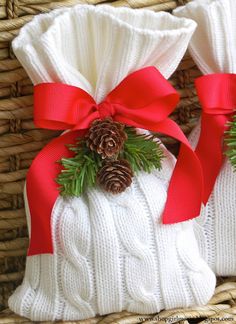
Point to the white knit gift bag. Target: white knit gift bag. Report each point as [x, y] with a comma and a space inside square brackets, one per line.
[213, 48]
[111, 253]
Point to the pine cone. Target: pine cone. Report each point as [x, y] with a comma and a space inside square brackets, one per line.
[106, 137]
[115, 176]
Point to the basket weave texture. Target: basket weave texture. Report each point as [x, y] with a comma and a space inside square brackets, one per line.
[221, 309]
[20, 141]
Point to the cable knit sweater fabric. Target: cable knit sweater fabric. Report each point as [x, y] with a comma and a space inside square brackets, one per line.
[111, 253]
[213, 48]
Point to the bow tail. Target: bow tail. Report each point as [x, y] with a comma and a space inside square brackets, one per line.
[184, 192]
[42, 191]
[209, 149]
[186, 185]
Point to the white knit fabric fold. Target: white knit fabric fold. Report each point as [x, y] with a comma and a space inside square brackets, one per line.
[111, 253]
[213, 48]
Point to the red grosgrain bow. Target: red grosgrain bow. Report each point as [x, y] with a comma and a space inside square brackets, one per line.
[144, 99]
[217, 94]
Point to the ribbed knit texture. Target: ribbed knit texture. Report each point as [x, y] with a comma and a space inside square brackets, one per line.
[213, 48]
[111, 253]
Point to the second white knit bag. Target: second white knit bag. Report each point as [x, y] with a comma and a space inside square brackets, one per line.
[111, 253]
[213, 48]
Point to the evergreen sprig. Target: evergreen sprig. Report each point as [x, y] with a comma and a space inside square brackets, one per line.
[231, 142]
[80, 172]
[142, 152]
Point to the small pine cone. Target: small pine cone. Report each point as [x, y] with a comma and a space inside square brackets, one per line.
[115, 176]
[106, 137]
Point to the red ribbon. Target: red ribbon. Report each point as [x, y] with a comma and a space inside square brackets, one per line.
[144, 99]
[217, 95]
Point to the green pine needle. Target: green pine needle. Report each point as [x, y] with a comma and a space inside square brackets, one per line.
[231, 143]
[141, 151]
[79, 172]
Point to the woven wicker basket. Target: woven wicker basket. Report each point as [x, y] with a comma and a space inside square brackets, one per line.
[20, 142]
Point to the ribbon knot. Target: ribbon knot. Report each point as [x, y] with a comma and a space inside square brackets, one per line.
[144, 99]
[217, 95]
[106, 109]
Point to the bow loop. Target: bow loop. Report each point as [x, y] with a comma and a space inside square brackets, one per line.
[217, 93]
[62, 107]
